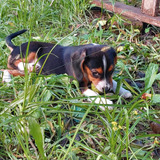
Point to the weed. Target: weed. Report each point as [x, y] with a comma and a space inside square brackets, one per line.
[46, 117]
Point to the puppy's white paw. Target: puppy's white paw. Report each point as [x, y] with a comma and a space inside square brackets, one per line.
[98, 100]
[6, 76]
[122, 92]
[127, 94]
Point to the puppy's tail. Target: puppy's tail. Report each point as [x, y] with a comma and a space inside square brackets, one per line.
[9, 43]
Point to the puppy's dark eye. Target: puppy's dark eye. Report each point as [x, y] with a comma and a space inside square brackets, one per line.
[95, 74]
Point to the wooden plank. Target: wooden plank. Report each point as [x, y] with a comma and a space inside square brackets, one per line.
[150, 7]
[128, 11]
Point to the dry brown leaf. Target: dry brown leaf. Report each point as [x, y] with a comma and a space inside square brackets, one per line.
[155, 127]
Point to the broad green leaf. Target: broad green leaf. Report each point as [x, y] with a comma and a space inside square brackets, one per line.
[158, 76]
[147, 30]
[37, 133]
[156, 98]
[150, 75]
[46, 95]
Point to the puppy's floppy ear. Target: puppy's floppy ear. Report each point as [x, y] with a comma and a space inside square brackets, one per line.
[77, 60]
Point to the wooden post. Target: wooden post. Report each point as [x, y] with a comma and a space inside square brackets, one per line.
[150, 7]
[130, 11]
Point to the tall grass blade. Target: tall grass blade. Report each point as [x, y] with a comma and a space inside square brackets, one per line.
[37, 133]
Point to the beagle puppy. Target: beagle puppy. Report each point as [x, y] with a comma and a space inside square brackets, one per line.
[91, 63]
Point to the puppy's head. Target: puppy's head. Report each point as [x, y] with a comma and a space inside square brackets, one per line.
[95, 65]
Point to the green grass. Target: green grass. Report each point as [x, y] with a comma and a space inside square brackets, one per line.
[45, 117]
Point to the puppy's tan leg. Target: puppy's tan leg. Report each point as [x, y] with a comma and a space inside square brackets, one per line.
[16, 72]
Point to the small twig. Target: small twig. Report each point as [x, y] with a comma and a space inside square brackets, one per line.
[33, 146]
[51, 2]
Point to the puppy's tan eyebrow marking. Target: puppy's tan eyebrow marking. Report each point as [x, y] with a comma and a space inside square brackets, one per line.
[110, 68]
[99, 70]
